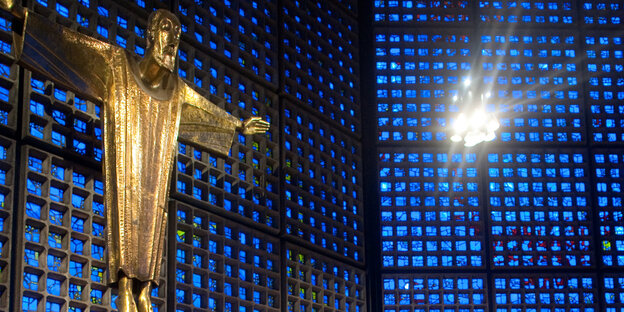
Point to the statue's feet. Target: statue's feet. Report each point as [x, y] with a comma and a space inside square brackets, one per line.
[145, 298]
[125, 301]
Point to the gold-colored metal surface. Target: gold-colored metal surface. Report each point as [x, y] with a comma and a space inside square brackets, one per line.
[145, 108]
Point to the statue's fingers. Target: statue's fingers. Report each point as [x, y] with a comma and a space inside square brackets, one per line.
[263, 124]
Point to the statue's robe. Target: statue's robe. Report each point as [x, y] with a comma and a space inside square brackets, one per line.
[140, 133]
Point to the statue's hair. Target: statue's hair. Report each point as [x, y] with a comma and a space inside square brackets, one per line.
[152, 22]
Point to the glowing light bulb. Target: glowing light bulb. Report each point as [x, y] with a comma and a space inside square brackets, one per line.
[492, 125]
[461, 124]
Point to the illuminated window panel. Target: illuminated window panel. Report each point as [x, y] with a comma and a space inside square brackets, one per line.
[533, 84]
[242, 32]
[439, 292]
[540, 213]
[417, 76]
[602, 13]
[321, 61]
[608, 166]
[456, 12]
[316, 283]
[430, 209]
[7, 169]
[222, 265]
[604, 61]
[323, 179]
[528, 12]
[64, 226]
[62, 119]
[105, 20]
[613, 300]
[545, 292]
[244, 186]
[8, 75]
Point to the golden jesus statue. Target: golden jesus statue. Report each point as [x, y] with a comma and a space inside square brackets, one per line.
[146, 107]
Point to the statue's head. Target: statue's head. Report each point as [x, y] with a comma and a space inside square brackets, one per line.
[163, 38]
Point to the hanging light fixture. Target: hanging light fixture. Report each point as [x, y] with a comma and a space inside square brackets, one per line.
[474, 124]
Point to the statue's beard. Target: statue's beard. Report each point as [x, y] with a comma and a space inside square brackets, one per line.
[166, 59]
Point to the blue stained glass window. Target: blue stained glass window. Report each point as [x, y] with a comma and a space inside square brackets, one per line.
[562, 291]
[608, 166]
[31, 257]
[426, 192]
[75, 268]
[54, 287]
[97, 252]
[525, 229]
[30, 304]
[436, 81]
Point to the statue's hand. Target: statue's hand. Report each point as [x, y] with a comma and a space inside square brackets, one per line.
[255, 125]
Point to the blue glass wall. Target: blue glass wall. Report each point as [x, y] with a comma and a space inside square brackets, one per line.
[535, 215]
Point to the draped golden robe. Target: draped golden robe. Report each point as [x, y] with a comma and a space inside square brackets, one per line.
[140, 135]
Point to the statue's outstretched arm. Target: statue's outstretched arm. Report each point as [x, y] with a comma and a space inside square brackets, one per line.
[74, 60]
[208, 125]
[204, 123]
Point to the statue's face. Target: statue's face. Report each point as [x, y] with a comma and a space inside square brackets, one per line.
[165, 41]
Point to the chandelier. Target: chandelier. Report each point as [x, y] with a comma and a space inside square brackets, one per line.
[474, 124]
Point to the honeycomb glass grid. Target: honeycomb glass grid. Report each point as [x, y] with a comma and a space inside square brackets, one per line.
[316, 283]
[528, 12]
[532, 83]
[613, 300]
[604, 57]
[62, 119]
[244, 186]
[545, 292]
[418, 12]
[324, 204]
[430, 209]
[223, 266]
[540, 212]
[606, 13]
[7, 172]
[435, 292]
[242, 32]
[8, 75]
[608, 166]
[417, 77]
[321, 61]
[64, 235]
